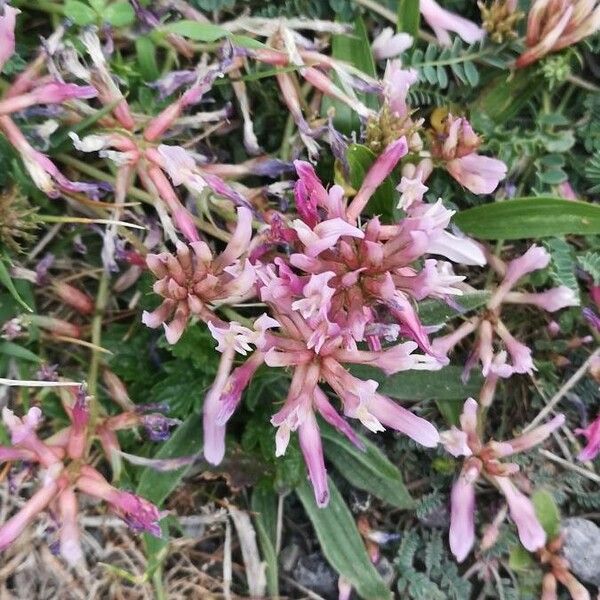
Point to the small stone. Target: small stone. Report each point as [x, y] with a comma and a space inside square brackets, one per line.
[581, 548]
[314, 573]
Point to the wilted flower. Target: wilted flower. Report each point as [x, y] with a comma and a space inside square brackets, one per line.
[556, 24]
[500, 19]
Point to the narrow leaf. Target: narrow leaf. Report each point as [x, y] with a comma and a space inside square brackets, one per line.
[264, 506]
[200, 32]
[341, 543]
[532, 217]
[356, 50]
[445, 384]
[16, 351]
[7, 282]
[434, 312]
[369, 470]
[547, 512]
[409, 17]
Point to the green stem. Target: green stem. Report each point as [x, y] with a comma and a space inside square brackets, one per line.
[41, 5]
[92, 381]
[157, 582]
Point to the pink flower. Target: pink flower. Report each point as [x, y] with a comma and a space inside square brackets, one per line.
[389, 44]
[21, 428]
[396, 83]
[324, 235]
[309, 193]
[462, 516]
[13, 528]
[442, 21]
[455, 442]
[479, 174]
[181, 167]
[312, 450]
[7, 33]
[550, 300]
[531, 533]
[411, 190]
[380, 169]
[317, 296]
[592, 436]
[483, 460]
[138, 513]
[70, 544]
[234, 336]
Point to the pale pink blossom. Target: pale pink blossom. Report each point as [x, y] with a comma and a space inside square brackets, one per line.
[396, 83]
[479, 174]
[551, 300]
[7, 33]
[70, 543]
[233, 336]
[324, 235]
[462, 517]
[442, 21]
[14, 526]
[455, 442]
[317, 296]
[312, 450]
[181, 167]
[483, 460]
[138, 513]
[531, 532]
[389, 44]
[411, 190]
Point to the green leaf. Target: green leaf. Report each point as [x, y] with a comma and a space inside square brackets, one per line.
[356, 50]
[146, 58]
[369, 470]
[562, 267]
[590, 263]
[264, 507]
[81, 14]
[247, 42]
[506, 94]
[531, 217]
[98, 5]
[519, 559]
[119, 14]
[382, 202]
[199, 32]
[434, 312]
[547, 512]
[409, 17]
[445, 384]
[341, 543]
[450, 410]
[7, 282]
[16, 351]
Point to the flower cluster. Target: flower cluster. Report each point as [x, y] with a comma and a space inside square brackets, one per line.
[483, 460]
[64, 472]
